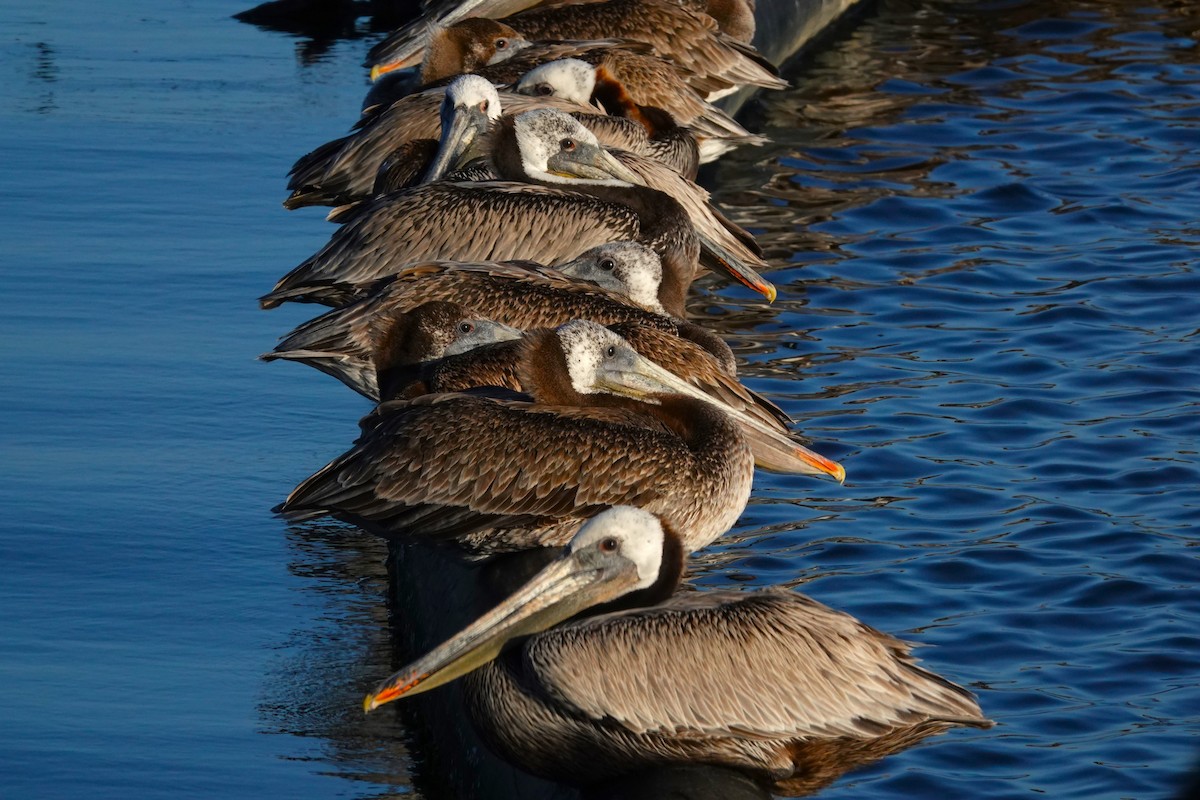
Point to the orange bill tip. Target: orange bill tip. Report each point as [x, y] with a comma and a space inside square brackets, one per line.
[382, 69]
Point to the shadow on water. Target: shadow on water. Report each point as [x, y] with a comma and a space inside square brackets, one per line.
[319, 24]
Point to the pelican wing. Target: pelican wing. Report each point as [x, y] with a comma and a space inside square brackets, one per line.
[345, 169]
[453, 464]
[687, 38]
[695, 200]
[770, 664]
[471, 221]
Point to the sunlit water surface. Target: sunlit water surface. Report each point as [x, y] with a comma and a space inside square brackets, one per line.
[983, 221]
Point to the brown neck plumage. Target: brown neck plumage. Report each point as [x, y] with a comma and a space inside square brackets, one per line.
[505, 154]
[465, 46]
[612, 94]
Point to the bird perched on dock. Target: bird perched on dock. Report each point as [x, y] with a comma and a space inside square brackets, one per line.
[601, 426]
[642, 677]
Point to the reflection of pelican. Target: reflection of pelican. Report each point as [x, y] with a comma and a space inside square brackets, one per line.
[606, 426]
[742, 679]
[570, 195]
[401, 343]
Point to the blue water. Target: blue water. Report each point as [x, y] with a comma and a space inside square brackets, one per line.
[983, 221]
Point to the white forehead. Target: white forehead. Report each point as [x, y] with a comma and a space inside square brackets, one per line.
[638, 268]
[540, 133]
[638, 533]
[584, 344]
[569, 78]
[468, 91]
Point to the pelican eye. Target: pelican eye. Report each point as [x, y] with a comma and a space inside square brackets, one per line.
[608, 265]
[483, 106]
[567, 144]
[466, 327]
[544, 89]
[502, 44]
[609, 545]
[611, 351]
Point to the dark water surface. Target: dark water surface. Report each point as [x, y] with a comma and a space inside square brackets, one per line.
[984, 221]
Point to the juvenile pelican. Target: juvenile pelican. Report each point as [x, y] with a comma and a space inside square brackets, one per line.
[626, 79]
[605, 426]
[643, 678]
[711, 62]
[645, 130]
[599, 285]
[499, 365]
[401, 343]
[558, 180]
[345, 169]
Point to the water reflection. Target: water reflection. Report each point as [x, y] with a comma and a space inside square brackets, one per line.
[320, 24]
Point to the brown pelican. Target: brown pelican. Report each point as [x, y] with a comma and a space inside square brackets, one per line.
[605, 427]
[723, 239]
[395, 148]
[402, 342]
[645, 130]
[711, 62]
[626, 79]
[406, 46]
[499, 365]
[600, 285]
[345, 169]
[565, 184]
[520, 294]
[646, 677]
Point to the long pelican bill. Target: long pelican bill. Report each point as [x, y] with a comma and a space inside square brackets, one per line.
[571, 583]
[590, 162]
[635, 376]
[737, 269]
[461, 127]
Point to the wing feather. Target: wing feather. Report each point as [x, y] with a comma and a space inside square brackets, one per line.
[770, 664]
[447, 465]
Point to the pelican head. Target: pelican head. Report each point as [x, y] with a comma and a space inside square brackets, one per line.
[599, 360]
[469, 108]
[568, 78]
[618, 551]
[556, 148]
[473, 332]
[629, 269]
[437, 329]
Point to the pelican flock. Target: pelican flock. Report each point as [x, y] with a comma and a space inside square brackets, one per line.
[515, 239]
